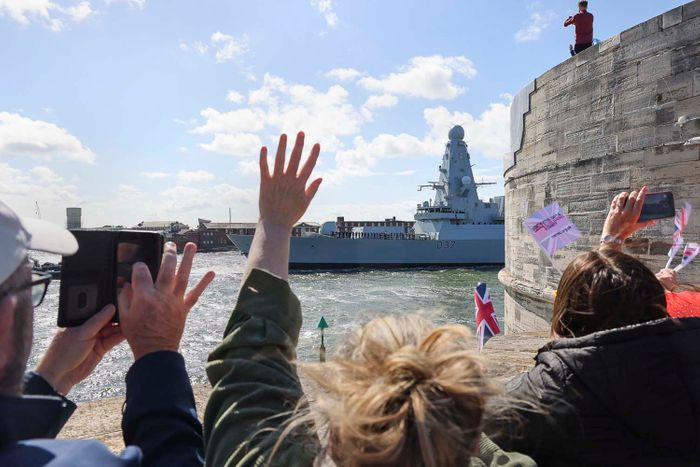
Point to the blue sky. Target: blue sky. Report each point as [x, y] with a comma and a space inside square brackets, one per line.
[155, 109]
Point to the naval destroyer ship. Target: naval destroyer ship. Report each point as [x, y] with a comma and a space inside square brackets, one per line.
[454, 229]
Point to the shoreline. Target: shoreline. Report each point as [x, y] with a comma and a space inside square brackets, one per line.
[504, 357]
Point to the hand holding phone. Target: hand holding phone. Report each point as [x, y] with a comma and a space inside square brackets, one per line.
[658, 206]
[623, 216]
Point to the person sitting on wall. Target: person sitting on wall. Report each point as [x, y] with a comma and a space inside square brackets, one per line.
[583, 23]
[404, 392]
[159, 422]
[619, 384]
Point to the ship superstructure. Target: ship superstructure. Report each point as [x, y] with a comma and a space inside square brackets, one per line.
[455, 228]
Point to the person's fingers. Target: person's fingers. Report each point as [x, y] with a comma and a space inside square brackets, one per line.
[124, 299]
[644, 224]
[279, 157]
[141, 280]
[312, 189]
[264, 169]
[183, 272]
[310, 163]
[166, 274]
[194, 294]
[639, 203]
[295, 157]
[112, 340]
[614, 202]
[92, 326]
[622, 199]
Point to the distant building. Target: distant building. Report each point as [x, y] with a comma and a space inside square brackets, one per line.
[162, 226]
[74, 218]
[343, 226]
[212, 235]
[303, 229]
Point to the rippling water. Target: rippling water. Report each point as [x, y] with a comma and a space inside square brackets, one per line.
[345, 299]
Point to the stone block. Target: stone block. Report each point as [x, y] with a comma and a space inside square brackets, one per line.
[610, 43]
[691, 10]
[688, 107]
[600, 147]
[602, 108]
[677, 36]
[667, 134]
[641, 30]
[601, 65]
[568, 154]
[636, 138]
[620, 81]
[586, 167]
[629, 121]
[665, 115]
[696, 82]
[573, 187]
[578, 136]
[664, 156]
[682, 172]
[621, 160]
[618, 180]
[672, 17]
[686, 58]
[589, 204]
[675, 88]
[654, 68]
[628, 103]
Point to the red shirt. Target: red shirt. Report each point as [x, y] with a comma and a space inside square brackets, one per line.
[583, 21]
[683, 304]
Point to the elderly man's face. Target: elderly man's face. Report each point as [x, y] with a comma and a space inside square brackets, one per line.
[11, 376]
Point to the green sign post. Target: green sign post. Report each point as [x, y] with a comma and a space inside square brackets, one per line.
[322, 324]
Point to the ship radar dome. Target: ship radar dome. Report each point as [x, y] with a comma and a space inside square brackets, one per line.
[456, 133]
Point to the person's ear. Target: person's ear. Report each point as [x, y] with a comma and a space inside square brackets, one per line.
[7, 325]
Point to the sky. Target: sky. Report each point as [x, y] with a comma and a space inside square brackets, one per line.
[156, 109]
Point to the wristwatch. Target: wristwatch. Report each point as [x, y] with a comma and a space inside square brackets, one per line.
[610, 239]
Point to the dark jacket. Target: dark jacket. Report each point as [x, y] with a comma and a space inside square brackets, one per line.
[256, 385]
[159, 423]
[628, 396]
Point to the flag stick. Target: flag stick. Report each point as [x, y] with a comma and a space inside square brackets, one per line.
[668, 263]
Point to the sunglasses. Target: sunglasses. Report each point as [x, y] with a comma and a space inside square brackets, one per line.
[39, 284]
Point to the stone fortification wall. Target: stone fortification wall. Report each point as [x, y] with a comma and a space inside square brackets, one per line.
[601, 122]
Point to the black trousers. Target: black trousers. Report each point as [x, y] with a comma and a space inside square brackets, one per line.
[580, 48]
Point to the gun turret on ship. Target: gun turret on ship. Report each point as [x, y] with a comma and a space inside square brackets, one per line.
[454, 229]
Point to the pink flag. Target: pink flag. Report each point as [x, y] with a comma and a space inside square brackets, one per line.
[680, 221]
[689, 254]
[551, 228]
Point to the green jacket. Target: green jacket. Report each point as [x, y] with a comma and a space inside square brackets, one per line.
[256, 387]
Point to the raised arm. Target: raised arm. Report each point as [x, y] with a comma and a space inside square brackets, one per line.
[569, 21]
[255, 384]
[623, 218]
[284, 198]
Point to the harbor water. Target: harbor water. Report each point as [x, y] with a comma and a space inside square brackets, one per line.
[346, 299]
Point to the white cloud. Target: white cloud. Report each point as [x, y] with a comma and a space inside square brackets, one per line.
[384, 100]
[228, 47]
[194, 176]
[343, 74]
[538, 22]
[425, 77]
[279, 106]
[249, 167]
[23, 137]
[155, 175]
[46, 12]
[487, 134]
[184, 200]
[325, 7]
[239, 144]
[235, 97]
[200, 47]
[21, 189]
[140, 4]
[231, 122]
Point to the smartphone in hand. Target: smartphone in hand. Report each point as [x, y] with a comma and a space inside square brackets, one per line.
[658, 206]
[94, 276]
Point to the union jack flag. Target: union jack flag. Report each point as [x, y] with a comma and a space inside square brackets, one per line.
[680, 222]
[486, 322]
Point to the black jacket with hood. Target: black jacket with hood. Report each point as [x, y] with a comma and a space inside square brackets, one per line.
[627, 396]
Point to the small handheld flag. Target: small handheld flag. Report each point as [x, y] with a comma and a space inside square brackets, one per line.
[486, 322]
[680, 222]
[551, 228]
[689, 254]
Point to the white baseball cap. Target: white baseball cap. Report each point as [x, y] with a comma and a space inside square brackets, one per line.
[18, 235]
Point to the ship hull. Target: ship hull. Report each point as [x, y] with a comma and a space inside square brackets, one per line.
[324, 252]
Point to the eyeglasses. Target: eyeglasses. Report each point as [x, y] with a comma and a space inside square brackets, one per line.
[39, 285]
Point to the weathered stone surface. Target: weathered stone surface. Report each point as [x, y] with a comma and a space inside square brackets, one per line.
[606, 122]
